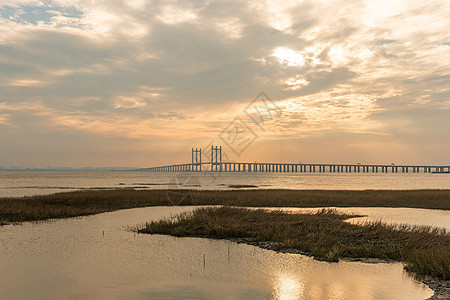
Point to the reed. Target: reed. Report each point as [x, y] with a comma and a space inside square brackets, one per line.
[88, 202]
[424, 251]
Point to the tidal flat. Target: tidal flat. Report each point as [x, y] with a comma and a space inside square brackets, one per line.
[424, 251]
[324, 235]
[98, 257]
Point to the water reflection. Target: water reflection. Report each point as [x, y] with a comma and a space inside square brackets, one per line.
[73, 259]
[338, 291]
[286, 287]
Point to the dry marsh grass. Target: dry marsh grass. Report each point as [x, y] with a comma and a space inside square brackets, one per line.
[424, 251]
[88, 202]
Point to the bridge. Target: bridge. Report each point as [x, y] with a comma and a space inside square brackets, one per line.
[217, 165]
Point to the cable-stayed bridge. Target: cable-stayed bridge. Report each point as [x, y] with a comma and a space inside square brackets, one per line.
[215, 164]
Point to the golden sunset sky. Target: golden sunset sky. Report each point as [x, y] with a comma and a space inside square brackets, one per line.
[139, 83]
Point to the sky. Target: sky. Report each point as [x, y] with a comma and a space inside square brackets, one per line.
[139, 83]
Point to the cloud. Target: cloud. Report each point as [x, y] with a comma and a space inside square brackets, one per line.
[143, 70]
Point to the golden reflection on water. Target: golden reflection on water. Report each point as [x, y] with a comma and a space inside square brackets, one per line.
[72, 259]
[337, 291]
[287, 287]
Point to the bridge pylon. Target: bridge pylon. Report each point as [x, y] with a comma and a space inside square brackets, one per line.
[216, 159]
[196, 164]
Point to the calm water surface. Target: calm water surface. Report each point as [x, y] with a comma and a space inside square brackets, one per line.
[96, 257]
[17, 184]
[67, 259]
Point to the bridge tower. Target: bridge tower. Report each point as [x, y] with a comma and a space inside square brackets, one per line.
[216, 158]
[196, 159]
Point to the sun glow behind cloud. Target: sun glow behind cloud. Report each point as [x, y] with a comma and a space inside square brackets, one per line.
[289, 57]
[24, 82]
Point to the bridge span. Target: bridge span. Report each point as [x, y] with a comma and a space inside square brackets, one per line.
[217, 165]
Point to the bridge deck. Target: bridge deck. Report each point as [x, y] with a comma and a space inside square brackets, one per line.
[299, 168]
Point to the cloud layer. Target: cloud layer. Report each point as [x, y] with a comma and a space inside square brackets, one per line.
[86, 82]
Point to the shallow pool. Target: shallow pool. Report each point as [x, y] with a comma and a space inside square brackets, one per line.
[96, 257]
